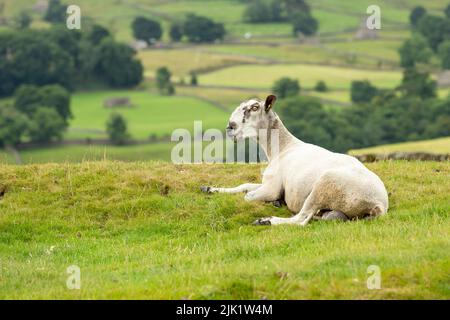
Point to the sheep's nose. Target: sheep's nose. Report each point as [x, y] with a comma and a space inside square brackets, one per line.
[231, 125]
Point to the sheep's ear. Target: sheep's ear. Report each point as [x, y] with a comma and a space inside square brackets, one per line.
[270, 100]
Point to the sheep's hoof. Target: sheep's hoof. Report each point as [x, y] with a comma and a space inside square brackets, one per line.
[277, 203]
[262, 222]
[205, 189]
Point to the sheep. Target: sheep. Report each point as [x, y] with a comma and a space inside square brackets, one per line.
[313, 182]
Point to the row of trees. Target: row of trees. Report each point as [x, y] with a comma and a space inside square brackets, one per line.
[65, 57]
[194, 28]
[409, 112]
[431, 35]
[297, 12]
[38, 114]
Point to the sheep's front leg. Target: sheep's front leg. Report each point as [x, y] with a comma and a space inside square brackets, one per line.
[246, 187]
[267, 192]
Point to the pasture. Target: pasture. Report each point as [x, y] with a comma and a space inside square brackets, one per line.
[254, 76]
[144, 230]
[440, 145]
[152, 114]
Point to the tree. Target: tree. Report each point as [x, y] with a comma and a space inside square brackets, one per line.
[176, 33]
[194, 80]
[58, 98]
[414, 50]
[23, 20]
[117, 64]
[257, 12]
[163, 82]
[434, 29]
[294, 6]
[416, 14]
[97, 34]
[362, 91]
[444, 54]
[33, 57]
[307, 119]
[117, 129]
[28, 99]
[321, 86]
[147, 30]
[13, 126]
[201, 29]
[56, 12]
[286, 87]
[447, 11]
[415, 83]
[46, 125]
[304, 23]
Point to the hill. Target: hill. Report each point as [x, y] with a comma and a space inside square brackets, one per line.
[440, 145]
[143, 230]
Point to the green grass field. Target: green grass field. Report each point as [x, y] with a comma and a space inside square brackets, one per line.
[144, 230]
[198, 61]
[440, 145]
[254, 76]
[152, 114]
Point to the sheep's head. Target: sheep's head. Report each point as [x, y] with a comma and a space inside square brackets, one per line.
[250, 117]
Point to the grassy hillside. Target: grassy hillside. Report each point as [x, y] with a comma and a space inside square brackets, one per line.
[441, 145]
[254, 76]
[144, 230]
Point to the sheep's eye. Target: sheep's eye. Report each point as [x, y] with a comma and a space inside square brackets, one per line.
[255, 107]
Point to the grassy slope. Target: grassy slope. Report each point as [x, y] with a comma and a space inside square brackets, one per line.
[253, 76]
[441, 145]
[143, 230]
[153, 114]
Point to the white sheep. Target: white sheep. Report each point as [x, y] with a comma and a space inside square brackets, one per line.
[313, 181]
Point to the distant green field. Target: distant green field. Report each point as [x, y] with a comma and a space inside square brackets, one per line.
[441, 145]
[296, 52]
[382, 49]
[151, 114]
[228, 98]
[254, 76]
[181, 62]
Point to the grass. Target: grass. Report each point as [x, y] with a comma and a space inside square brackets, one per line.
[228, 98]
[382, 49]
[254, 76]
[152, 114]
[80, 153]
[176, 61]
[440, 145]
[143, 230]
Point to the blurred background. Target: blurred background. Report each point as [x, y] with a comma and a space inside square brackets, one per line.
[138, 69]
